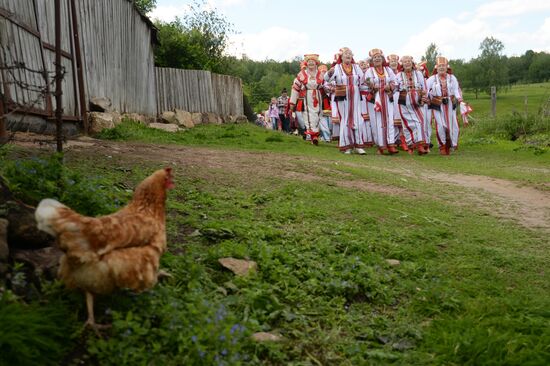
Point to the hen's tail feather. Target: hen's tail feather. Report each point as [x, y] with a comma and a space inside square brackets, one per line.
[46, 213]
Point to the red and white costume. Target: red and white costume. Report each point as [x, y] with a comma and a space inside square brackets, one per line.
[347, 107]
[408, 96]
[307, 85]
[445, 95]
[365, 95]
[423, 68]
[381, 107]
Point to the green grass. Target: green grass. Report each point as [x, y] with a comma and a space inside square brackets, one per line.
[511, 100]
[486, 155]
[470, 289]
[35, 333]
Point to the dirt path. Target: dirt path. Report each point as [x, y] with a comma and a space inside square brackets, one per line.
[528, 205]
[505, 199]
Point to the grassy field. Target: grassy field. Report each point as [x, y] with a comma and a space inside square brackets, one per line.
[472, 287]
[511, 100]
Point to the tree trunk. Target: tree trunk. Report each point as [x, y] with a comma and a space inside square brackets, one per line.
[22, 231]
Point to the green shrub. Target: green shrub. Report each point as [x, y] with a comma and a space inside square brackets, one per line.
[513, 126]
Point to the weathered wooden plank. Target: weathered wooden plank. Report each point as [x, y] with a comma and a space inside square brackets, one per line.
[197, 91]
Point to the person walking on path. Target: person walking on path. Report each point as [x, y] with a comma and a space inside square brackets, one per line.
[282, 104]
[347, 78]
[445, 96]
[308, 83]
[411, 95]
[380, 80]
[273, 113]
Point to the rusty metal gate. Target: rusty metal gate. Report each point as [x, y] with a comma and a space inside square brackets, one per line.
[27, 55]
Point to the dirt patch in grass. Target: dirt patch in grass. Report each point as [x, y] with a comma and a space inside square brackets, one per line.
[526, 205]
[529, 206]
[502, 198]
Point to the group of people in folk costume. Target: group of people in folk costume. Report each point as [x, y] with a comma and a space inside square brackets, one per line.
[383, 103]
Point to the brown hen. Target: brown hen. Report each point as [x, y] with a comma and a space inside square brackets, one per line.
[121, 250]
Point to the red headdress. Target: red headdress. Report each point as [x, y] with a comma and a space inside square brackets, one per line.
[374, 52]
[407, 57]
[440, 60]
[312, 56]
[341, 51]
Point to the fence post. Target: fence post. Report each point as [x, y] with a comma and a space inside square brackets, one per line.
[493, 101]
[525, 104]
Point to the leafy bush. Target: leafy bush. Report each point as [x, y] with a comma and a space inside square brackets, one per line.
[514, 126]
[35, 179]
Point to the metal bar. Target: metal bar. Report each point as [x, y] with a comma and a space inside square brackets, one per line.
[58, 76]
[52, 48]
[79, 69]
[9, 16]
[11, 107]
[48, 96]
[73, 62]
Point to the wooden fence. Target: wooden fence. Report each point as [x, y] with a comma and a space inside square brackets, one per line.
[198, 91]
[118, 54]
[107, 51]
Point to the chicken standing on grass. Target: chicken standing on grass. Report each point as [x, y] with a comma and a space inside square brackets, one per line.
[121, 250]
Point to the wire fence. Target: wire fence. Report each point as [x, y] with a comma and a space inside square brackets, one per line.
[33, 94]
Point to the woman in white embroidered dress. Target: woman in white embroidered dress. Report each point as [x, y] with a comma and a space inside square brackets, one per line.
[444, 93]
[365, 95]
[325, 124]
[347, 77]
[423, 68]
[411, 95]
[380, 80]
[395, 64]
[307, 84]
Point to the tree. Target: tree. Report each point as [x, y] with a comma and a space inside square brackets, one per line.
[493, 64]
[539, 70]
[468, 75]
[145, 6]
[491, 47]
[517, 68]
[196, 41]
[431, 53]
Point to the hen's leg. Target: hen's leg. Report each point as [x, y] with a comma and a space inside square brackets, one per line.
[90, 307]
[163, 274]
[91, 320]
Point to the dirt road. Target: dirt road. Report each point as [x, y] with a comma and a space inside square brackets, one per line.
[502, 198]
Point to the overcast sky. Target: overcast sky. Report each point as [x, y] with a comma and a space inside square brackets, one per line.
[281, 29]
